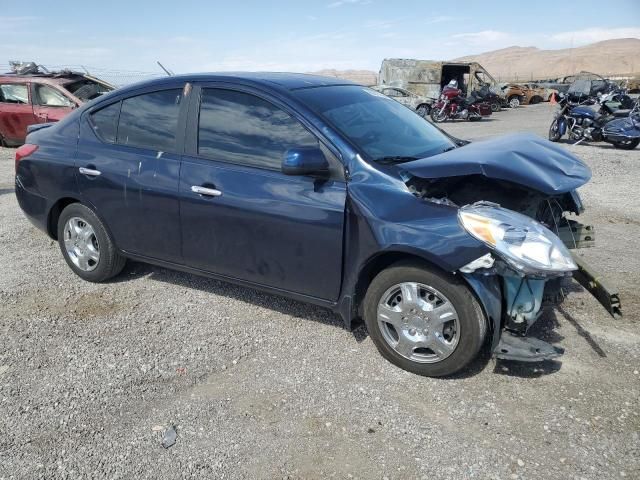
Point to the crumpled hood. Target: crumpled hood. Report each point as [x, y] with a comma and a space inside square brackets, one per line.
[521, 158]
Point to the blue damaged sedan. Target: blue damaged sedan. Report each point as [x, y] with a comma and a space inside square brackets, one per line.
[323, 191]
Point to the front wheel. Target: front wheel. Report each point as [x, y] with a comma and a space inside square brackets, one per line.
[627, 144]
[514, 101]
[87, 246]
[424, 321]
[437, 115]
[495, 107]
[554, 131]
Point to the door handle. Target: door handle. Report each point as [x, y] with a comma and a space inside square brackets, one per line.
[209, 192]
[89, 171]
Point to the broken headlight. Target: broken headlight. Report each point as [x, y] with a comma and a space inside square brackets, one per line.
[526, 245]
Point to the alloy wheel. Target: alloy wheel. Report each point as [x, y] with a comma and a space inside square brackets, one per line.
[81, 244]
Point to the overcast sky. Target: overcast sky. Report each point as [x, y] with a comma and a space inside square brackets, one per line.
[190, 36]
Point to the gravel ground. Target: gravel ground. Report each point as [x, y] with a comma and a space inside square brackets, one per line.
[264, 387]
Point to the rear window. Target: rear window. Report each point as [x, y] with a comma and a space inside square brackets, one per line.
[105, 122]
[150, 120]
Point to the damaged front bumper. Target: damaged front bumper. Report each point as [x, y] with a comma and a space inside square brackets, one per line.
[513, 303]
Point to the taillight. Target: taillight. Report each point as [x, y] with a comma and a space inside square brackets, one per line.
[24, 151]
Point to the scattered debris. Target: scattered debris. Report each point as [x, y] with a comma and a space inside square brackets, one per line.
[169, 437]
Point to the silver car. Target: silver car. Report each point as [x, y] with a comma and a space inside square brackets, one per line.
[422, 105]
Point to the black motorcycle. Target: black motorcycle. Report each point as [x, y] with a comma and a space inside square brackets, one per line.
[579, 122]
[485, 94]
[616, 102]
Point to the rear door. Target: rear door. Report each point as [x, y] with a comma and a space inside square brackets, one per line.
[128, 169]
[16, 111]
[258, 225]
[49, 103]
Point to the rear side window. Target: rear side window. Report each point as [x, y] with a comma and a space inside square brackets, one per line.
[14, 93]
[150, 120]
[241, 128]
[105, 122]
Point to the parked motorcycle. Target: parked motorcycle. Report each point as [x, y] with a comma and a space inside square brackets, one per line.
[580, 123]
[452, 105]
[487, 95]
[614, 102]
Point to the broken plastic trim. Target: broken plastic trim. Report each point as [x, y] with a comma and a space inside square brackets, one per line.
[525, 349]
[485, 261]
[606, 294]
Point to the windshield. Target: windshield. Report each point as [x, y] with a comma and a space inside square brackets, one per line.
[381, 128]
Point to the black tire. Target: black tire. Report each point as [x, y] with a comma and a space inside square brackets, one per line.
[627, 145]
[436, 116]
[471, 320]
[110, 262]
[495, 107]
[554, 131]
[423, 110]
[514, 101]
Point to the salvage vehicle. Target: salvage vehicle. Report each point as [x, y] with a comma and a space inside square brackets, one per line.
[516, 94]
[323, 191]
[537, 94]
[422, 105]
[427, 78]
[29, 96]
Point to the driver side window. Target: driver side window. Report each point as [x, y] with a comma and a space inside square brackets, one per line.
[237, 127]
[46, 96]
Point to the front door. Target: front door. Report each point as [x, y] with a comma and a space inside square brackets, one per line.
[49, 103]
[128, 169]
[251, 222]
[16, 112]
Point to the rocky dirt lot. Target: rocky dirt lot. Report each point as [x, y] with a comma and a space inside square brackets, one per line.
[263, 387]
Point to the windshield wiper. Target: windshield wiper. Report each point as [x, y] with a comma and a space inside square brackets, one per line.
[448, 149]
[394, 159]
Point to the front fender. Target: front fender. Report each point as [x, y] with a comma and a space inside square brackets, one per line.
[562, 125]
[488, 292]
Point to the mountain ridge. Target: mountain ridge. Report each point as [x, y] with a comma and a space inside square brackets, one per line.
[607, 57]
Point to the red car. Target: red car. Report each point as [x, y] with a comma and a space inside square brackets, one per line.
[31, 98]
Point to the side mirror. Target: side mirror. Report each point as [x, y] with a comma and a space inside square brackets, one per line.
[305, 161]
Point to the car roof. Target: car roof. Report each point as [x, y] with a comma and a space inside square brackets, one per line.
[284, 81]
[42, 78]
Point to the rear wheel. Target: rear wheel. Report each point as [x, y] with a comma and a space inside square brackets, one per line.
[514, 101]
[424, 321]
[86, 244]
[495, 107]
[627, 144]
[554, 131]
[423, 110]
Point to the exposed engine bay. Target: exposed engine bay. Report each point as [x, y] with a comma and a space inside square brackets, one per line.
[551, 210]
[519, 294]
